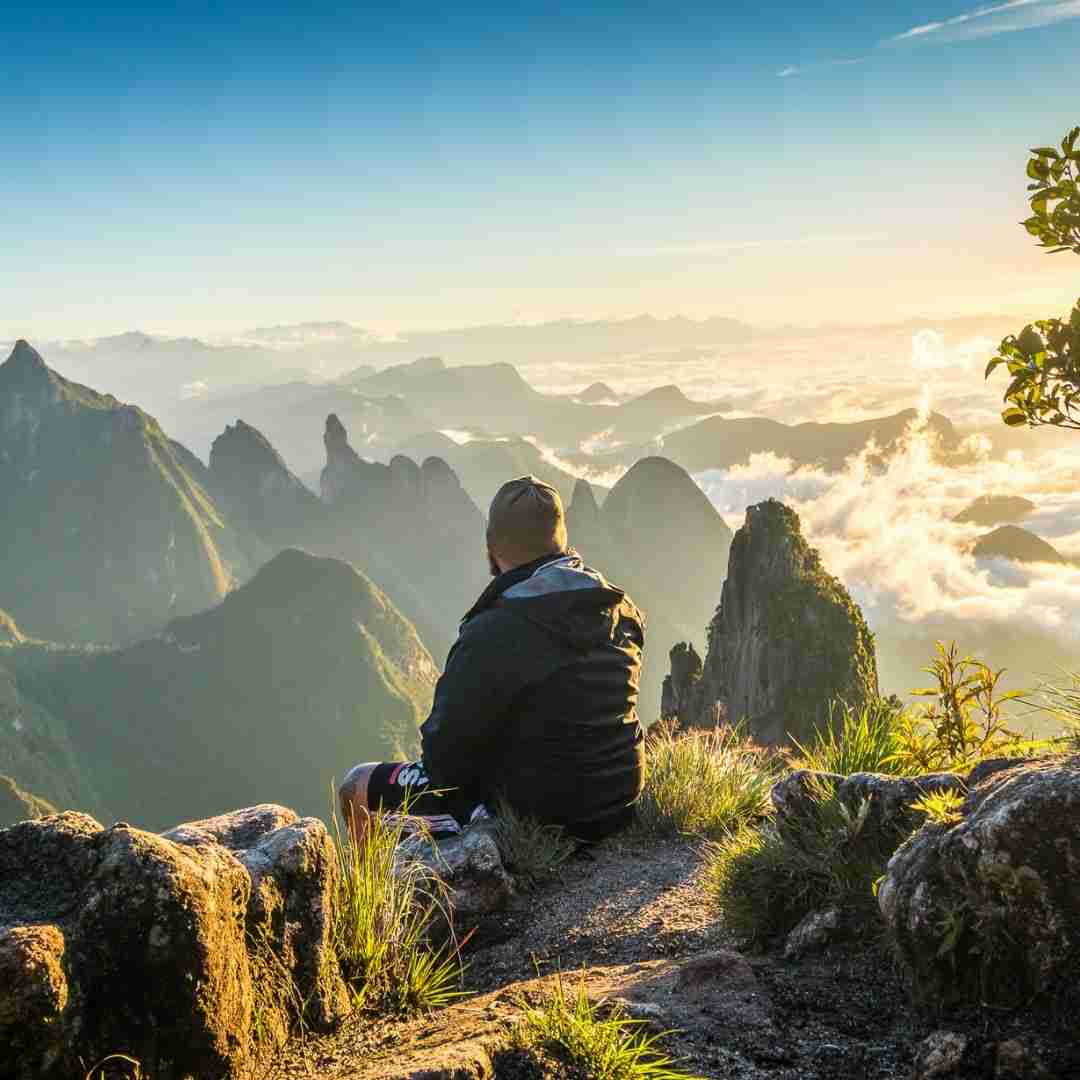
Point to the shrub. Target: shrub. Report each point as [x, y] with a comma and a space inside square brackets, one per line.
[964, 723]
[388, 910]
[866, 740]
[603, 1044]
[703, 783]
[531, 850]
[765, 880]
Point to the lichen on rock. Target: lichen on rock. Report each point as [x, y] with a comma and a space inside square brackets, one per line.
[987, 909]
[123, 941]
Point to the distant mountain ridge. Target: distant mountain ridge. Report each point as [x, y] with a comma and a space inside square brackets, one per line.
[296, 676]
[721, 442]
[110, 528]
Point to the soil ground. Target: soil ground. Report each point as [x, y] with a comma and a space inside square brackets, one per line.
[632, 919]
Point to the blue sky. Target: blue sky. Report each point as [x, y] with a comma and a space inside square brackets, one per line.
[209, 168]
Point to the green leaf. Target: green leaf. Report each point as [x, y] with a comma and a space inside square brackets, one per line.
[993, 365]
[1014, 417]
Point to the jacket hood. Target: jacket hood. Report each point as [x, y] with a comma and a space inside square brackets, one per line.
[564, 596]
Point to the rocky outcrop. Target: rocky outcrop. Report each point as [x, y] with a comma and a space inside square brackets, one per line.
[256, 485]
[109, 529]
[680, 684]
[412, 528]
[786, 641]
[470, 864]
[890, 815]
[987, 909]
[194, 952]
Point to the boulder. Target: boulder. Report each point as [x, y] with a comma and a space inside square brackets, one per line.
[293, 869]
[815, 931]
[940, 1055]
[164, 948]
[988, 908]
[469, 863]
[890, 815]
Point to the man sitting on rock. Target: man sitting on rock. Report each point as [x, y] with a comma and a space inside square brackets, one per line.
[538, 700]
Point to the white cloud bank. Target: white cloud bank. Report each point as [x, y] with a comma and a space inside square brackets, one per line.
[889, 537]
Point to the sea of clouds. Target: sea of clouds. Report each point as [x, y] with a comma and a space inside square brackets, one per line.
[888, 534]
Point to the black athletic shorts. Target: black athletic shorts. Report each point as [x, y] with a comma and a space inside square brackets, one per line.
[404, 787]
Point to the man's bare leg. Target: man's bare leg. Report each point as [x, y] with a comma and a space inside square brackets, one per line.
[352, 795]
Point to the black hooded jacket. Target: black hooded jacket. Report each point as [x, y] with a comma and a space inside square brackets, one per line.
[539, 699]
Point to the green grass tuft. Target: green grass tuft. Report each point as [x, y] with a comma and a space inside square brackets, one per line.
[533, 852]
[1063, 704]
[865, 740]
[603, 1044]
[703, 783]
[765, 880]
[388, 911]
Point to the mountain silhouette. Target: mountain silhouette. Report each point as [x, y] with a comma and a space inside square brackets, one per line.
[266, 697]
[109, 529]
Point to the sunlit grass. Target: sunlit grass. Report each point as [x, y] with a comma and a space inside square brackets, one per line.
[702, 783]
[864, 740]
[388, 911]
[604, 1044]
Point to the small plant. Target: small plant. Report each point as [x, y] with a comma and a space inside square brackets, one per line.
[941, 807]
[604, 1044]
[388, 910]
[703, 783]
[865, 740]
[965, 722]
[765, 880]
[1063, 704]
[533, 851]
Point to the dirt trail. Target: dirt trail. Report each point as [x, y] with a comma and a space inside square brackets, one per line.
[633, 920]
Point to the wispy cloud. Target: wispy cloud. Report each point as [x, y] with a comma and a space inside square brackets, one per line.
[1002, 18]
[801, 69]
[1008, 17]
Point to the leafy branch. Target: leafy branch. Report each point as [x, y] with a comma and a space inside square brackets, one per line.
[1043, 360]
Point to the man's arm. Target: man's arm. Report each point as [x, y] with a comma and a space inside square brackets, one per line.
[463, 736]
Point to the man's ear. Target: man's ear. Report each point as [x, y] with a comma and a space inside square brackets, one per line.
[493, 566]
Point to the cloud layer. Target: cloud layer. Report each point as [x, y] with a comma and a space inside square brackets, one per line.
[889, 536]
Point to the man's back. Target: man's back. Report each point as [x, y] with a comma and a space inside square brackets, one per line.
[538, 700]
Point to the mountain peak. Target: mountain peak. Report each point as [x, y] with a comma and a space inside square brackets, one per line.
[806, 639]
[583, 500]
[597, 392]
[24, 357]
[241, 441]
[336, 438]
